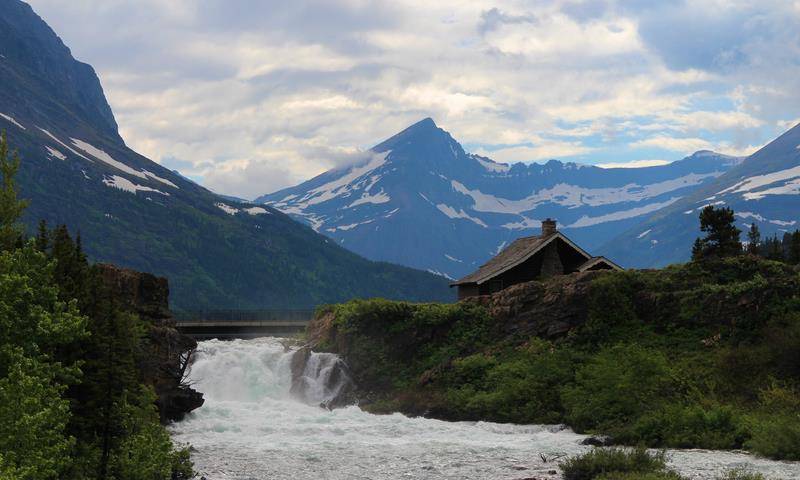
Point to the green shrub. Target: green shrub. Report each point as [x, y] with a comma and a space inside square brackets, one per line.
[641, 476]
[520, 386]
[741, 474]
[689, 426]
[776, 436]
[616, 386]
[600, 461]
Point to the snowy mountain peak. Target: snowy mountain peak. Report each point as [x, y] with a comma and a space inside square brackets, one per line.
[420, 200]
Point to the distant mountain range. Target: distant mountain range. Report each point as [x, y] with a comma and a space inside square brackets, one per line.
[763, 189]
[217, 252]
[420, 200]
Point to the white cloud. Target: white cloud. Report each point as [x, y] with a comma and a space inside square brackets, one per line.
[257, 97]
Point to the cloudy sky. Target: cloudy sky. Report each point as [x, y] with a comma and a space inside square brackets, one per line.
[250, 96]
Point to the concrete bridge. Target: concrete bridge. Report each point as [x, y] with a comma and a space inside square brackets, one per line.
[230, 324]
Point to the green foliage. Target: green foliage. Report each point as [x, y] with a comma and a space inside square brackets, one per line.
[390, 343]
[776, 427]
[33, 418]
[753, 239]
[519, 385]
[72, 405]
[611, 462]
[640, 476]
[722, 236]
[616, 386]
[701, 355]
[688, 426]
[741, 474]
[146, 452]
[11, 207]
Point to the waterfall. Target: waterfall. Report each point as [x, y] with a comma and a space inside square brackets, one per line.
[324, 379]
[262, 419]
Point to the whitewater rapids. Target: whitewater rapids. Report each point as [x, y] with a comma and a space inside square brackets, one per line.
[251, 428]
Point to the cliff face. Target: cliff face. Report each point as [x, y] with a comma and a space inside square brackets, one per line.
[544, 309]
[167, 351]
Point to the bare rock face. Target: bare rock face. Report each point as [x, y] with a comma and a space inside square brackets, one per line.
[547, 309]
[168, 352]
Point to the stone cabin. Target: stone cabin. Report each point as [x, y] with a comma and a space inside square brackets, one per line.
[531, 258]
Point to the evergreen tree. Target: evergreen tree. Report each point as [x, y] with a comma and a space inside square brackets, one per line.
[42, 237]
[754, 239]
[11, 208]
[722, 236]
[794, 248]
[773, 248]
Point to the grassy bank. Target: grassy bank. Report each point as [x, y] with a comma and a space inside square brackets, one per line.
[701, 355]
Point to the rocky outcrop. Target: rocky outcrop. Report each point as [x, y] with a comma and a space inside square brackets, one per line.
[545, 309]
[168, 352]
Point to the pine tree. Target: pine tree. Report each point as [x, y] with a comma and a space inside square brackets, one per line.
[773, 248]
[794, 248]
[722, 236]
[11, 208]
[697, 249]
[42, 237]
[754, 239]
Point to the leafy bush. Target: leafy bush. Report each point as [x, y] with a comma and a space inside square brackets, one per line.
[607, 461]
[616, 386]
[776, 436]
[688, 426]
[741, 474]
[641, 476]
[522, 385]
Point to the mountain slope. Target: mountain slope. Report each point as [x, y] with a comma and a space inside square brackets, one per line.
[421, 200]
[763, 189]
[217, 253]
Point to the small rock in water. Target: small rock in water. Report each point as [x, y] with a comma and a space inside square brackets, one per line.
[519, 467]
[598, 441]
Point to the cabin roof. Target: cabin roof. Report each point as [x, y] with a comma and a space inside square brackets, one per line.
[595, 260]
[518, 252]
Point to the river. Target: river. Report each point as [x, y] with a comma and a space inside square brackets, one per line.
[251, 428]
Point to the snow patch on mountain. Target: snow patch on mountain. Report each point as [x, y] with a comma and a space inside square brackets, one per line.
[378, 198]
[109, 160]
[55, 153]
[453, 213]
[53, 137]
[523, 224]
[343, 185]
[124, 184]
[760, 218]
[490, 165]
[227, 208]
[11, 120]
[574, 196]
[747, 185]
[586, 221]
[256, 210]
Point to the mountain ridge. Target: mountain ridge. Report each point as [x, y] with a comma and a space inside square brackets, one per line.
[762, 189]
[131, 211]
[419, 199]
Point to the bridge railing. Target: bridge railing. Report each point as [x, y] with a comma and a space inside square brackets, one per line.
[222, 316]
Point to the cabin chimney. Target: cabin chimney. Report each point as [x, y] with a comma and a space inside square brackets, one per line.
[548, 227]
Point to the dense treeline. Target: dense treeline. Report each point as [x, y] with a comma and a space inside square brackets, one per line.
[703, 354]
[723, 239]
[72, 401]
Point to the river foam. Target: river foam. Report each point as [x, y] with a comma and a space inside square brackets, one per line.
[251, 427]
